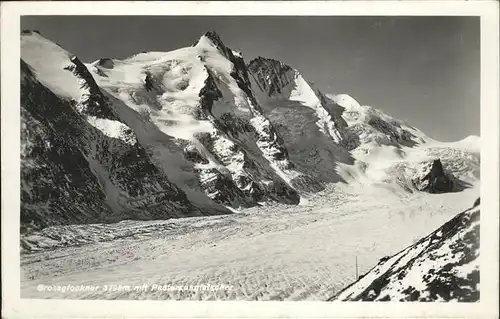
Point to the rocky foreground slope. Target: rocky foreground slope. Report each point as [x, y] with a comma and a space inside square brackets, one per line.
[443, 266]
[198, 131]
[80, 163]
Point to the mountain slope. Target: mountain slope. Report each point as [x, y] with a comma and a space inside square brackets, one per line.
[367, 125]
[442, 266]
[388, 150]
[311, 124]
[79, 162]
[202, 96]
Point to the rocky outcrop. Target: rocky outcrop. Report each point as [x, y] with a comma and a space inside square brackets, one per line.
[397, 135]
[106, 63]
[209, 93]
[443, 266]
[57, 183]
[433, 178]
[28, 32]
[91, 101]
[271, 75]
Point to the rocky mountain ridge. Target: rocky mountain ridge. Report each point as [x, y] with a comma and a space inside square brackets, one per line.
[71, 167]
[443, 266]
[191, 132]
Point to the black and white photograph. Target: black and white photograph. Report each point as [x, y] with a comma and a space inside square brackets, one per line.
[326, 158]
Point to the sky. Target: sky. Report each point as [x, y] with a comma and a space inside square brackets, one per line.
[424, 70]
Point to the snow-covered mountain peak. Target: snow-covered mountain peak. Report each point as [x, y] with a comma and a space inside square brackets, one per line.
[214, 38]
[356, 112]
[65, 75]
[222, 131]
[211, 40]
[200, 98]
[274, 80]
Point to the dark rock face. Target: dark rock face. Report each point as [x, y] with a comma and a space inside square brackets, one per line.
[150, 85]
[57, 183]
[273, 77]
[192, 155]
[222, 189]
[219, 187]
[351, 137]
[396, 134]
[434, 263]
[93, 102]
[314, 134]
[436, 180]
[209, 93]
[249, 186]
[28, 32]
[234, 126]
[106, 63]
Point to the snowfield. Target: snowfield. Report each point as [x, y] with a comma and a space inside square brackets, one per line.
[278, 252]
